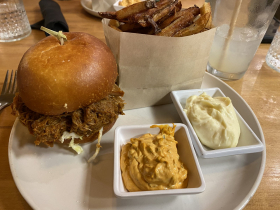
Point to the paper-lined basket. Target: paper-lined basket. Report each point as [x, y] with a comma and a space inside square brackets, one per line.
[151, 66]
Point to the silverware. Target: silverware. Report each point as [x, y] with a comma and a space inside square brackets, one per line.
[8, 90]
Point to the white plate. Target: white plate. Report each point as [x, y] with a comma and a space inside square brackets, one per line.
[98, 6]
[55, 178]
[248, 141]
[123, 134]
[116, 5]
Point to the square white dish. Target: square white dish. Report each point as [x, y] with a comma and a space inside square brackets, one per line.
[196, 183]
[248, 141]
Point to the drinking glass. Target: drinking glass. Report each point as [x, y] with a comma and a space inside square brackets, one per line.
[273, 56]
[241, 27]
[14, 24]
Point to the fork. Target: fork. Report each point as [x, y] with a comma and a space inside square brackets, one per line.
[9, 89]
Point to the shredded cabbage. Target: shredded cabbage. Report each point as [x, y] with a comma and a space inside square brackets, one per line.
[98, 146]
[67, 135]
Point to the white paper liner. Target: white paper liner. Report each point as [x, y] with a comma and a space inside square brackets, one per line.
[151, 66]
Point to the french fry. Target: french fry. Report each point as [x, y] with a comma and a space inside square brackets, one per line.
[133, 9]
[196, 27]
[206, 8]
[114, 24]
[143, 17]
[166, 20]
[128, 11]
[142, 30]
[169, 20]
[162, 18]
[183, 21]
[127, 27]
[205, 29]
[109, 15]
[164, 14]
[178, 7]
[165, 11]
[116, 28]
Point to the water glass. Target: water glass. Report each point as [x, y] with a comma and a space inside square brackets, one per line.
[241, 27]
[14, 24]
[273, 56]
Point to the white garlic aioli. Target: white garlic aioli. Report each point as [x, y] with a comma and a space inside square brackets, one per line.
[214, 120]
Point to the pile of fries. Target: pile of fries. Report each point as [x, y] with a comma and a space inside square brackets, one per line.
[161, 18]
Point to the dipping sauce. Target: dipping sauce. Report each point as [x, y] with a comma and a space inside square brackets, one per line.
[126, 3]
[214, 120]
[151, 162]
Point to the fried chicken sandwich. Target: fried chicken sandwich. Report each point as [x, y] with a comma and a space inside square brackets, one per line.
[67, 93]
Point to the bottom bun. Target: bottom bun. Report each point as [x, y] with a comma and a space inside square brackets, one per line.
[93, 137]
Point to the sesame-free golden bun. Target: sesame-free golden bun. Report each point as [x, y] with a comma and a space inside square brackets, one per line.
[53, 78]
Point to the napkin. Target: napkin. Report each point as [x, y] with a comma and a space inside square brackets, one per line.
[53, 17]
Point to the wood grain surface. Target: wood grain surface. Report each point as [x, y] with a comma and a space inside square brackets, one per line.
[260, 87]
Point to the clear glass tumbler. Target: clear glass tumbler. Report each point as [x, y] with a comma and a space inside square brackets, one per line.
[241, 27]
[14, 24]
[273, 56]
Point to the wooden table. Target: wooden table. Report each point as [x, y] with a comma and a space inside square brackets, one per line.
[260, 87]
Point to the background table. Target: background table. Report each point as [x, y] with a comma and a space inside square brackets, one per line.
[260, 87]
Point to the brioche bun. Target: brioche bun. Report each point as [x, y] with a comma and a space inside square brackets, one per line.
[68, 88]
[53, 78]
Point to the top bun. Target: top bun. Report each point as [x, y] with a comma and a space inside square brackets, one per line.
[54, 78]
